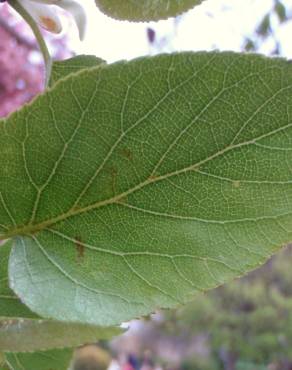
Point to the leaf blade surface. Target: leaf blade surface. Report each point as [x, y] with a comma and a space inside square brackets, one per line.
[30, 335]
[160, 178]
[10, 304]
[145, 10]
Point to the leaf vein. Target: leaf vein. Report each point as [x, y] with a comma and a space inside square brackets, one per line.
[147, 282]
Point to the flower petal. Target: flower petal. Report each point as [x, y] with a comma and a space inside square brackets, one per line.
[77, 12]
[44, 15]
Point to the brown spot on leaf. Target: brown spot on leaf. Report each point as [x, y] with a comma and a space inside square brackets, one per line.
[236, 184]
[111, 180]
[126, 153]
[80, 248]
[114, 173]
[123, 200]
[76, 208]
[196, 168]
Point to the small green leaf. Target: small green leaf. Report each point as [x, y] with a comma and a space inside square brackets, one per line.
[264, 28]
[10, 304]
[42, 360]
[145, 10]
[280, 10]
[63, 68]
[132, 186]
[25, 335]
[19, 334]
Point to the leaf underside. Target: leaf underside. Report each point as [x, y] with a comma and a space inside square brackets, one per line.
[29, 335]
[145, 10]
[20, 333]
[133, 186]
[10, 304]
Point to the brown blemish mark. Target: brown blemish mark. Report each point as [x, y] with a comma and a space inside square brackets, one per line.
[111, 180]
[76, 208]
[123, 200]
[152, 178]
[236, 183]
[114, 174]
[126, 153]
[80, 248]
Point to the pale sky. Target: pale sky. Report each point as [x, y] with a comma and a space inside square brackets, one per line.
[216, 24]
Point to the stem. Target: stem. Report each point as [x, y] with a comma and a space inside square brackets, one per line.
[37, 33]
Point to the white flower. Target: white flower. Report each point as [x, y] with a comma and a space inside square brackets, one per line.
[46, 16]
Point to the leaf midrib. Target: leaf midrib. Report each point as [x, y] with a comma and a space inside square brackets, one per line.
[32, 229]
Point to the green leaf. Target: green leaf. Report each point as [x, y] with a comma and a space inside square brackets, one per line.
[19, 334]
[43, 360]
[63, 68]
[10, 304]
[28, 335]
[280, 10]
[133, 186]
[145, 10]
